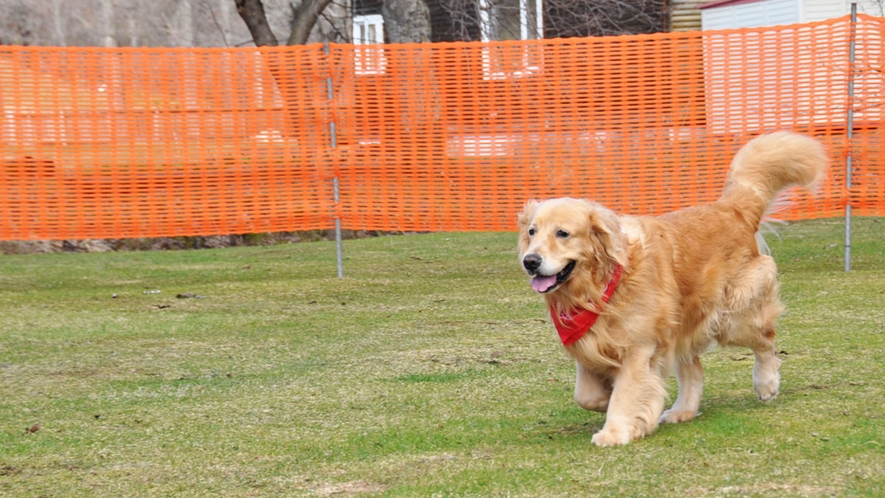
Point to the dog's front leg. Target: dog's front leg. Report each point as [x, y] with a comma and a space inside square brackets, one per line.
[592, 391]
[637, 400]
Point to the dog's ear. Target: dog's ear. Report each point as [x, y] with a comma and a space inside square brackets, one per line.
[607, 228]
[526, 214]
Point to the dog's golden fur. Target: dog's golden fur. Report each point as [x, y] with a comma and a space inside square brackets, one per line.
[691, 278]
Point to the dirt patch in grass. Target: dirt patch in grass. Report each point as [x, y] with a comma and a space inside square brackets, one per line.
[353, 488]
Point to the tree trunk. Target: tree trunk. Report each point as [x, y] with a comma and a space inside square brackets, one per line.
[406, 21]
[252, 13]
[305, 17]
[107, 20]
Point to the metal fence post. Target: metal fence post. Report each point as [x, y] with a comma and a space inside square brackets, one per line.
[850, 134]
[339, 249]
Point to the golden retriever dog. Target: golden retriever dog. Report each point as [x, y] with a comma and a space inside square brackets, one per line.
[634, 297]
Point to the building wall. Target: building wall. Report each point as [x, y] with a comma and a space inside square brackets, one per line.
[685, 15]
[818, 10]
[751, 14]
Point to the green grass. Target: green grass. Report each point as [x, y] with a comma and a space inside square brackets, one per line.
[429, 370]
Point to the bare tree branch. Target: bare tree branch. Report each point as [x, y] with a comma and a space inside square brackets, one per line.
[339, 35]
[604, 17]
[562, 18]
[306, 16]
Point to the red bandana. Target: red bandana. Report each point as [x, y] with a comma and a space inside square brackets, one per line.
[573, 327]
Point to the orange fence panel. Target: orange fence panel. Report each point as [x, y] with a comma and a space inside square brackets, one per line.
[107, 143]
[113, 143]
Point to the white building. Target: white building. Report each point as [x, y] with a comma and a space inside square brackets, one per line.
[726, 14]
[794, 74]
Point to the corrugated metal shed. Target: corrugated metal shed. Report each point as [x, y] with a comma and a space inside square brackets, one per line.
[685, 15]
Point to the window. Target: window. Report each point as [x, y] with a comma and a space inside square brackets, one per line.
[511, 20]
[368, 37]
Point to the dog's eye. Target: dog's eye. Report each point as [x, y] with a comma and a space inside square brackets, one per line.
[531, 232]
[562, 234]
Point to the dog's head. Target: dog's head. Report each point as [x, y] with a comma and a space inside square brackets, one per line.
[569, 246]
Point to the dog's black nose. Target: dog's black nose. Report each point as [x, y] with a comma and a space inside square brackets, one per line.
[531, 262]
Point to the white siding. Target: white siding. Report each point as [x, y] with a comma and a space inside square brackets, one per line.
[819, 10]
[751, 15]
[791, 76]
[783, 12]
[775, 12]
[871, 7]
[769, 79]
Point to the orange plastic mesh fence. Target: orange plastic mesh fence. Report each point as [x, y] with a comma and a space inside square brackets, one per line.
[114, 143]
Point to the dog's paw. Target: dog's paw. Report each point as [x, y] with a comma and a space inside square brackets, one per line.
[611, 437]
[766, 379]
[674, 416]
[766, 388]
[767, 394]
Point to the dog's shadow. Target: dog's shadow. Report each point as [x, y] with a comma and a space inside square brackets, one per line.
[574, 430]
[725, 413]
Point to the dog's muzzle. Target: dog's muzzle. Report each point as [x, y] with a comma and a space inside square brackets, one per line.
[544, 283]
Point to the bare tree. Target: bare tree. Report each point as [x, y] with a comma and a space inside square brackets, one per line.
[17, 26]
[304, 17]
[562, 18]
[406, 21]
[213, 22]
[569, 18]
[252, 13]
[125, 22]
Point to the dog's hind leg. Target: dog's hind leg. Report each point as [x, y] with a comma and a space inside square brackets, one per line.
[760, 339]
[592, 392]
[766, 379]
[754, 328]
[690, 375]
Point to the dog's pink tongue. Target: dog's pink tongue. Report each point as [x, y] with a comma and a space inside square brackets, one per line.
[541, 284]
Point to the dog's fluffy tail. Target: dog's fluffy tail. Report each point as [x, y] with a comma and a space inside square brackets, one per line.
[770, 163]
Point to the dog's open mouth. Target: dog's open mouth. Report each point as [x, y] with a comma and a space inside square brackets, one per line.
[544, 284]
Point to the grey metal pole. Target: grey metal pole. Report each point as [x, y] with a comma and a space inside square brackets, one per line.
[339, 246]
[850, 134]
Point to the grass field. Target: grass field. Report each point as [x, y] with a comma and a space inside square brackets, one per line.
[430, 369]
